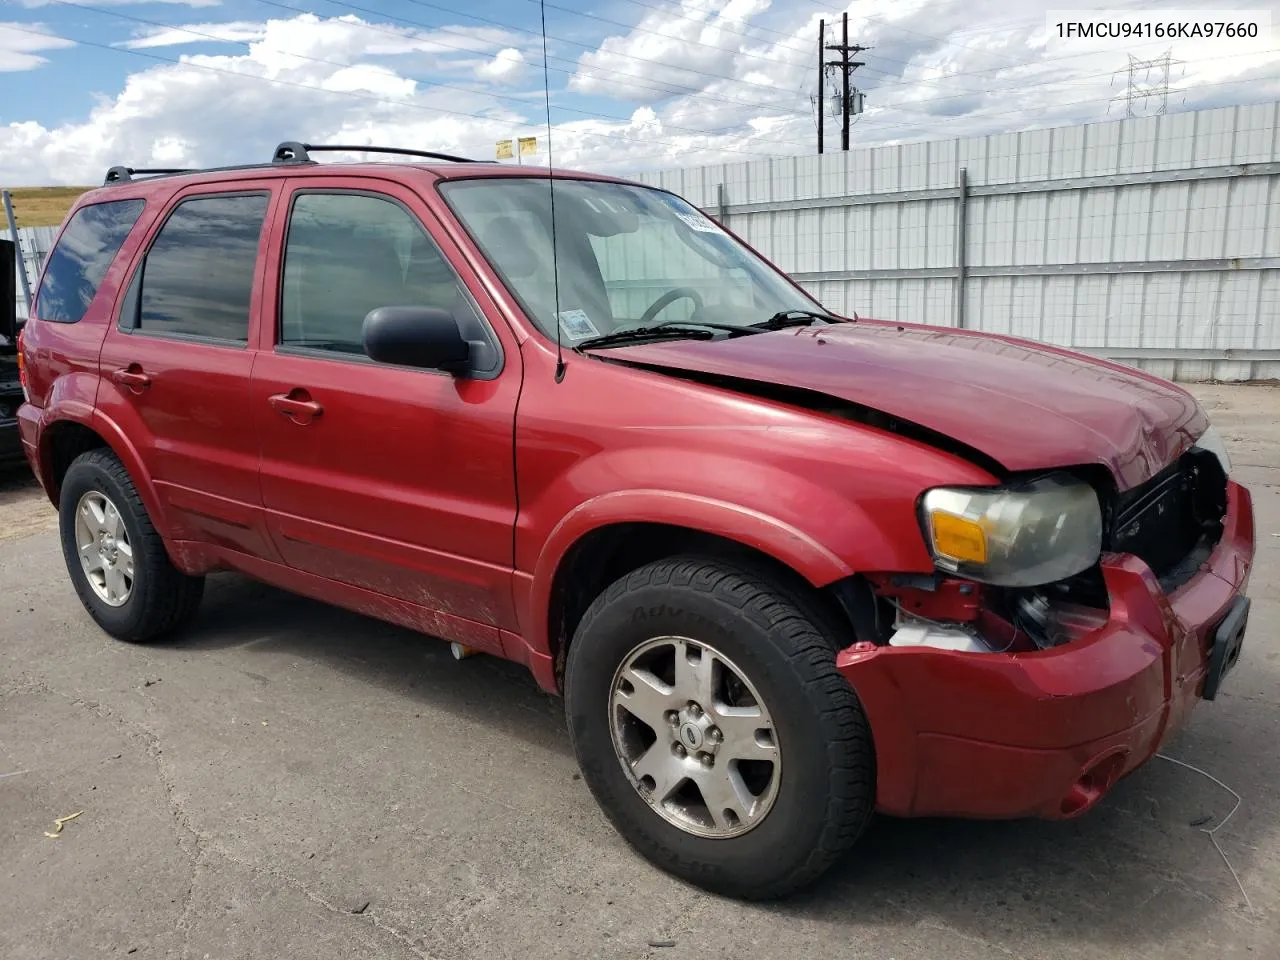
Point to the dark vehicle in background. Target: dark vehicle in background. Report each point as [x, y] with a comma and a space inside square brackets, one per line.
[10, 383]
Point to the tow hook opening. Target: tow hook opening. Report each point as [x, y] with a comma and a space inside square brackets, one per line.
[1093, 783]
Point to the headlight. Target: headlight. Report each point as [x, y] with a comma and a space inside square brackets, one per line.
[1211, 440]
[1021, 535]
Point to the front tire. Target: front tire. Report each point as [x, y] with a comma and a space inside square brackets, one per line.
[115, 556]
[712, 727]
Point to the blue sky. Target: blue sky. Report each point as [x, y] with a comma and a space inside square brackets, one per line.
[634, 84]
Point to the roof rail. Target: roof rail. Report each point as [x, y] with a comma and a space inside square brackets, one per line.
[293, 152]
[125, 174]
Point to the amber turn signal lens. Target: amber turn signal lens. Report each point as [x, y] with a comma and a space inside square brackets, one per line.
[958, 538]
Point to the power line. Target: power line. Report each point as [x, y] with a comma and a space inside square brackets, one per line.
[903, 105]
[690, 92]
[523, 101]
[648, 61]
[349, 94]
[887, 126]
[719, 147]
[669, 88]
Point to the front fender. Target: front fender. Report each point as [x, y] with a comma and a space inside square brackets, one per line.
[849, 539]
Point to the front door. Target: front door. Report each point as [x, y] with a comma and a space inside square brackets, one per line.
[176, 363]
[396, 480]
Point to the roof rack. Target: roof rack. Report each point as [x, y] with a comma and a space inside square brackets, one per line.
[293, 152]
[125, 174]
[288, 152]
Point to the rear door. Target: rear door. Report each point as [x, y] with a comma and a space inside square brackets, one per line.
[399, 481]
[177, 361]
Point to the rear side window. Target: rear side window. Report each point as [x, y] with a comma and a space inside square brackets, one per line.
[81, 257]
[197, 279]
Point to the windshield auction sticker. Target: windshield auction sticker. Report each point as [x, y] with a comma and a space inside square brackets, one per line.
[698, 222]
[577, 325]
[1197, 36]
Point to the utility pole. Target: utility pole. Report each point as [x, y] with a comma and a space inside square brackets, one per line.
[850, 99]
[822, 53]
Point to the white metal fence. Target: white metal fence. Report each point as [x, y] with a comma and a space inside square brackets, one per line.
[1155, 241]
[36, 242]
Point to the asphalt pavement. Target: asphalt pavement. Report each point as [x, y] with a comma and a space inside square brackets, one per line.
[288, 780]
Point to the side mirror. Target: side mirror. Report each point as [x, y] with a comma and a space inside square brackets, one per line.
[426, 337]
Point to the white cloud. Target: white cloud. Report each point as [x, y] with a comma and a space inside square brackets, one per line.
[932, 72]
[677, 46]
[305, 78]
[235, 31]
[507, 64]
[21, 44]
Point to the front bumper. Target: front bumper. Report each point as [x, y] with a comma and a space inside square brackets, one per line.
[1047, 733]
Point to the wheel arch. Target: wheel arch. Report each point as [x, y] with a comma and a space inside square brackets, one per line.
[67, 436]
[606, 538]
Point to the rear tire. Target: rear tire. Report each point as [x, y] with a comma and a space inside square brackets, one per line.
[788, 715]
[115, 556]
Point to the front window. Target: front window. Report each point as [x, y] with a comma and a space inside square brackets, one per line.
[347, 254]
[626, 257]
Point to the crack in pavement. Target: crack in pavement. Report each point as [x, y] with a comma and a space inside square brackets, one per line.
[373, 919]
[199, 846]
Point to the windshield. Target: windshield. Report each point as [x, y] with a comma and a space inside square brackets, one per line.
[627, 257]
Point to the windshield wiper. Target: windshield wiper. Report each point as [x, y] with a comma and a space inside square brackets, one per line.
[730, 327]
[793, 318]
[658, 331]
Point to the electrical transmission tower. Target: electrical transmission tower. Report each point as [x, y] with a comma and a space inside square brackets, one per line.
[847, 100]
[1141, 88]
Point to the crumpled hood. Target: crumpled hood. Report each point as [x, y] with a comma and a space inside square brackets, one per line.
[1027, 406]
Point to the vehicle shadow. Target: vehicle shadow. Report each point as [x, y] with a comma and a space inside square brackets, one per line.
[1134, 871]
[241, 613]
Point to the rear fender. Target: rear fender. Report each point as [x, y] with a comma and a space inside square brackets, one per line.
[74, 410]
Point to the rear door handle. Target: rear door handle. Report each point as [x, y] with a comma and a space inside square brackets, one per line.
[132, 377]
[297, 405]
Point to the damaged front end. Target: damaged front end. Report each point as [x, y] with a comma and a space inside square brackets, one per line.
[1020, 567]
[1032, 696]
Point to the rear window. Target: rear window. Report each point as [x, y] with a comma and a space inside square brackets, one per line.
[81, 257]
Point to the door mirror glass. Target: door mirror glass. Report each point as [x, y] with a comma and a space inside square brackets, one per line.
[426, 337]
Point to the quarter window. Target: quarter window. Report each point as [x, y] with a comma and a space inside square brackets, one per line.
[197, 279]
[81, 257]
[348, 254]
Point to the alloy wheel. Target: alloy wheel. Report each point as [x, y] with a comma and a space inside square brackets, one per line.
[106, 555]
[694, 737]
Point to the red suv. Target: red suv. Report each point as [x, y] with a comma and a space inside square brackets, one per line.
[786, 567]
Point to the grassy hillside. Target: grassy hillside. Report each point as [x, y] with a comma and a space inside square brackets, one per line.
[42, 206]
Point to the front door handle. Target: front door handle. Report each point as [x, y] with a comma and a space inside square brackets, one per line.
[297, 405]
[132, 377]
